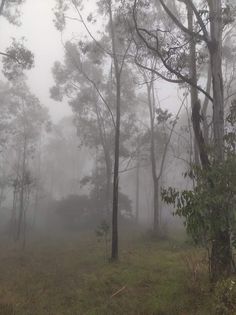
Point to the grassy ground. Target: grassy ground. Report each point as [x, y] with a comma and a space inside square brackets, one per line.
[71, 277]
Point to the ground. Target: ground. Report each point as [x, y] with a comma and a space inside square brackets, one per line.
[71, 276]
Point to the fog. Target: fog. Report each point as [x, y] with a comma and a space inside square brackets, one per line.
[117, 156]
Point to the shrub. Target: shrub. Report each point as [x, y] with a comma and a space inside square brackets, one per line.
[225, 297]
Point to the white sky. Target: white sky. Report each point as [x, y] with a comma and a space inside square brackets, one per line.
[44, 41]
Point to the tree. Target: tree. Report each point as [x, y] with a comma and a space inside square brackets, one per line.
[88, 98]
[16, 57]
[213, 13]
[26, 119]
[116, 49]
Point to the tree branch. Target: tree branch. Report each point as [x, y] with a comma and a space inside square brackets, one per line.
[167, 66]
[179, 24]
[169, 138]
[88, 30]
[11, 57]
[200, 21]
[156, 72]
[2, 6]
[91, 81]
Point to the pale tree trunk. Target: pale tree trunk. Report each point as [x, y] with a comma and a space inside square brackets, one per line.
[22, 191]
[153, 160]
[215, 48]
[199, 143]
[221, 255]
[205, 107]
[193, 76]
[37, 188]
[137, 182]
[107, 157]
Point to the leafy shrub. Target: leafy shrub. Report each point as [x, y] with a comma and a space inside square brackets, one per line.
[225, 297]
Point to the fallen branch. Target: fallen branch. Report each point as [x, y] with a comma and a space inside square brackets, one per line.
[119, 291]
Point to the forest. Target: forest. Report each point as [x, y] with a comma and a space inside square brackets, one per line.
[118, 157]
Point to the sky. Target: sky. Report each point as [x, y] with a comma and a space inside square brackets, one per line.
[44, 41]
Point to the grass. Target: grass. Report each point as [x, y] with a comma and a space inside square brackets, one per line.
[71, 277]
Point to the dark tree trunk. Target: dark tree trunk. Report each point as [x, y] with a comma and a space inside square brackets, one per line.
[221, 255]
[114, 243]
[114, 253]
[199, 143]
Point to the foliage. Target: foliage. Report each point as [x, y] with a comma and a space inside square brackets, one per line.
[215, 189]
[17, 59]
[80, 210]
[102, 233]
[225, 297]
[102, 230]
[11, 11]
[96, 183]
[74, 210]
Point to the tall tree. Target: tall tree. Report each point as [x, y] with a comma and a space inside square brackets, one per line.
[16, 57]
[116, 49]
[170, 56]
[26, 117]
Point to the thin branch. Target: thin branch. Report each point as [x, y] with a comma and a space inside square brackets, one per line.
[200, 21]
[156, 72]
[125, 55]
[88, 30]
[11, 57]
[133, 168]
[169, 138]
[167, 66]
[179, 24]
[100, 94]
[229, 96]
[91, 81]
[72, 19]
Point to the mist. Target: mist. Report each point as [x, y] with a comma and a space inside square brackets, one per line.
[117, 157]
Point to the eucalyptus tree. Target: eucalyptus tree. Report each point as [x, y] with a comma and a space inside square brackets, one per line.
[83, 79]
[115, 45]
[16, 57]
[26, 118]
[206, 22]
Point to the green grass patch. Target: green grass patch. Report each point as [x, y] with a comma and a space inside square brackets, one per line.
[71, 277]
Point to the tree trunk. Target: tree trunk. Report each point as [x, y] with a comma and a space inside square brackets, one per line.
[199, 143]
[22, 186]
[137, 183]
[215, 49]
[114, 254]
[107, 158]
[153, 162]
[221, 255]
[114, 249]
[204, 108]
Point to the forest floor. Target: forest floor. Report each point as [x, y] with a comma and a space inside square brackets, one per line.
[70, 276]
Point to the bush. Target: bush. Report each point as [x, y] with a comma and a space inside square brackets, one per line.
[225, 297]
